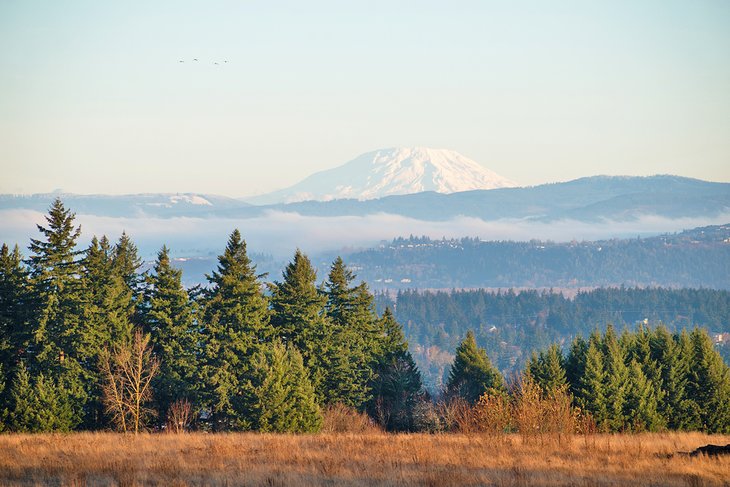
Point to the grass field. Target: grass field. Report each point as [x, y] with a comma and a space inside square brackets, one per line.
[357, 459]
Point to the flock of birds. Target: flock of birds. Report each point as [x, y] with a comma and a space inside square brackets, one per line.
[196, 60]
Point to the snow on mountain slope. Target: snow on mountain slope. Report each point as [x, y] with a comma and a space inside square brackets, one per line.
[388, 172]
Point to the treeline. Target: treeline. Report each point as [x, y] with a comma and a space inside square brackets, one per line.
[699, 258]
[89, 342]
[511, 324]
[648, 380]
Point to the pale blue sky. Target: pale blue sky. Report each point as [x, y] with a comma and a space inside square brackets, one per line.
[94, 100]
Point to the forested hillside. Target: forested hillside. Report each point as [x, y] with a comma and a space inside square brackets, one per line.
[695, 258]
[510, 325]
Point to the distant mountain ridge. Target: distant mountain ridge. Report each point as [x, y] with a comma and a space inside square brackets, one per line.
[590, 199]
[387, 172]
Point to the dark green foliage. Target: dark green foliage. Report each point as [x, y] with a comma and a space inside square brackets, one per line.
[285, 401]
[167, 315]
[641, 407]
[511, 325]
[547, 369]
[39, 405]
[56, 346]
[235, 324]
[472, 373]
[298, 317]
[106, 309]
[15, 308]
[354, 339]
[397, 385]
[708, 385]
[616, 380]
[591, 384]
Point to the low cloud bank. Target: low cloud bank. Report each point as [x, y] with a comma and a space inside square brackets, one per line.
[279, 234]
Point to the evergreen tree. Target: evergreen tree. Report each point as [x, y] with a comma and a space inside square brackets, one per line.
[547, 369]
[616, 380]
[168, 317]
[397, 385]
[235, 324]
[709, 384]
[472, 373]
[354, 339]
[106, 305]
[39, 405]
[591, 391]
[674, 368]
[298, 317]
[575, 364]
[56, 333]
[127, 263]
[641, 407]
[15, 307]
[285, 399]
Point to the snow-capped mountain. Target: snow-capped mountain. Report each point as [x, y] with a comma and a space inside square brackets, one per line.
[386, 172]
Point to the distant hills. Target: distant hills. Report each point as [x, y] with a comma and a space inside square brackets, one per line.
[694, 258]
[590, 199]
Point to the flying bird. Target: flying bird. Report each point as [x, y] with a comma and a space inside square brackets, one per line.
[195, 59]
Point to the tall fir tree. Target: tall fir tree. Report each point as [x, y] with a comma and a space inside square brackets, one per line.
[547, 369]
[56, 334]
[591, 392]
[708, 385]
[299, 318]
[105, 306]
[575, 364]
[235, 325]
[397, 386]
[15, 310]
[641, 407]
[168, 316]
[616, 379]
[674, 368]
[472, 373]
[354, 339]
[285, 400]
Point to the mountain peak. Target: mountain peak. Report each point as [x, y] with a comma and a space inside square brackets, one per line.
[392, 171]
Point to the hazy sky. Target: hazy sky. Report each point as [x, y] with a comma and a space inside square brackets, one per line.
[93, 98]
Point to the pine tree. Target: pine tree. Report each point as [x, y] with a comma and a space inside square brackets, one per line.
[616, 380]
[235, 324]
[298, 317]
[472, 373]
[168, 317]
[547, 369]
[127, 263]
[56, 334]
[15, 307]
[575, 364]
[709, 384]
[39, 405]
[354, 339]
[674, 368]
[106, 305]
[591, 394]
[641, 407]
[397, 386]
[285, 399]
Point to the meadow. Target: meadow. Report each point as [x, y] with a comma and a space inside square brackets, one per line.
[366, 459]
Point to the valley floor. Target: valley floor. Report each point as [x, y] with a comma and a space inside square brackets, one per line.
[349, 459]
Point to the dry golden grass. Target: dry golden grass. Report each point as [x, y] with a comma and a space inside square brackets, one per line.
[357, 459]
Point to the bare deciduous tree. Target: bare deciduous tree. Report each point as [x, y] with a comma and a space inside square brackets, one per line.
[128, 371]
